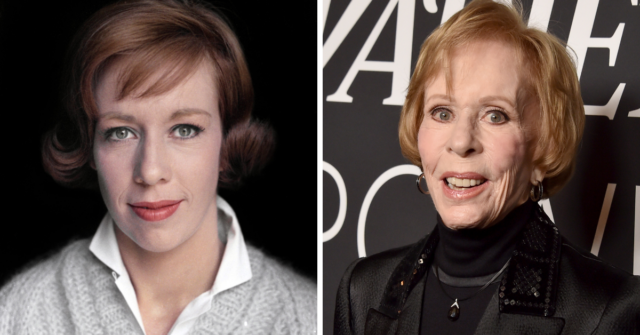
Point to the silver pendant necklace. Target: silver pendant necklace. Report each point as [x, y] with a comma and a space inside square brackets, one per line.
[454, 310]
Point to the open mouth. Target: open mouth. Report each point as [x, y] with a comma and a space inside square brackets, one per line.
[459, 184]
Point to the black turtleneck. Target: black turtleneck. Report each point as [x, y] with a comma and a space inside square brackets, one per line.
[479, 252]
[467, 258]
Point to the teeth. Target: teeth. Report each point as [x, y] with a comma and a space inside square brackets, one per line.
[458, 182]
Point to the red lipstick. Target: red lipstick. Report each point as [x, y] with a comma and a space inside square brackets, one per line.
[155, 211]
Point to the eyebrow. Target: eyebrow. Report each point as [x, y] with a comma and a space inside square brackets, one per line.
[483, 100]
[187, 112]
[176, 115]
[440, 96]
[117, 115]
[486, 99]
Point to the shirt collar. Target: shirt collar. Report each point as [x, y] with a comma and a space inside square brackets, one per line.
[234, 269]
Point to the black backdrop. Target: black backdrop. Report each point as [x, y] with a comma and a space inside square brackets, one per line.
[369, 194]
[41, 216]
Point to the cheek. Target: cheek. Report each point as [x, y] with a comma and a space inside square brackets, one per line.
[213, 156]
[114, 173]
[506, 153]
[201, 169]
[430, 147]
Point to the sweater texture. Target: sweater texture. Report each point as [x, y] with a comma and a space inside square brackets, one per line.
[74, 293]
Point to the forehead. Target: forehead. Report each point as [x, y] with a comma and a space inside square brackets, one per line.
[196, 90]
[139, 75]
[480, 67]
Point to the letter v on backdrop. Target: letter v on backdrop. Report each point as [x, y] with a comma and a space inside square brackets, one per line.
[579, 41]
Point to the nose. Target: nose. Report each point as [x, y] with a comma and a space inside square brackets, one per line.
[463, 140]
[153, 165]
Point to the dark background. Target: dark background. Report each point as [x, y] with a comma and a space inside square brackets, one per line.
[360, 139]
[276, 214]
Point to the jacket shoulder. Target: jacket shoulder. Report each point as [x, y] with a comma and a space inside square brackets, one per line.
[622, 312]
[590, 286]
[589, 269]
[362, 287]
[373, 272]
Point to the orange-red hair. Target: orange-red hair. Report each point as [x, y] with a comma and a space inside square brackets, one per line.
[550, 75]
[167, 39]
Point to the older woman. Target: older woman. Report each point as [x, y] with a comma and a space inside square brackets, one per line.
[159, 106]
[493, 117]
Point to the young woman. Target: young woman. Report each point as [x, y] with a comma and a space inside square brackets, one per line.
[159, 104]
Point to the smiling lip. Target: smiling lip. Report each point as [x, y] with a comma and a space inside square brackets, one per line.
[462, 175]
[463, 193]
[155, 211]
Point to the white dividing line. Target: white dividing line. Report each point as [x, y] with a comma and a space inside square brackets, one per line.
[636, 236]
[602, 221]
[546, 206]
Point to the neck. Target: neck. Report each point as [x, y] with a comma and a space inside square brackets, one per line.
[479, 252]
[166, 282]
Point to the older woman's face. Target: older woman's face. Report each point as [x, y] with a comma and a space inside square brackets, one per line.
[157, 159]
[475, 143]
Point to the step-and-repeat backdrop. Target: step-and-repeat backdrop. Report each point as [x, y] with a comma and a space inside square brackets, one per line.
[369, 193]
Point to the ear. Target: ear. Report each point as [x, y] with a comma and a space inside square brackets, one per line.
[537, 175]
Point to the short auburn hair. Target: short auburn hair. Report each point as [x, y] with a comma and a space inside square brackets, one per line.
[549, 77]
[166, 39]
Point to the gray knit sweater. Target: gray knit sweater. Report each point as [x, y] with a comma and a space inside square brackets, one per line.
[74, 293]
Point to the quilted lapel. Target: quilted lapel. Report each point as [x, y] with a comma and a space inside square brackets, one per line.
[526, 299]
[530, 283]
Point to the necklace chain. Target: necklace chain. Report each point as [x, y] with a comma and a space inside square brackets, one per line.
[454, 311]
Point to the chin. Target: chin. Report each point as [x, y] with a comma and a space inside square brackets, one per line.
[157, 246]
[153, 241]
[462, 218]
[462, 225]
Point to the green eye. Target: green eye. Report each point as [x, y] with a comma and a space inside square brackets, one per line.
[118, 134]
[443, 115]
[121, 133]
[496, 117]
[184, 131]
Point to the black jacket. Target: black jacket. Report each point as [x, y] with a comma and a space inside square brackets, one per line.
[549, 287]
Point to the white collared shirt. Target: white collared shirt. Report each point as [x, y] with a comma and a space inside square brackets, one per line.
[234, 268]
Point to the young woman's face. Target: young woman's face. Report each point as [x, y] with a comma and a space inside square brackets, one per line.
[157, 159]
[475, 142]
